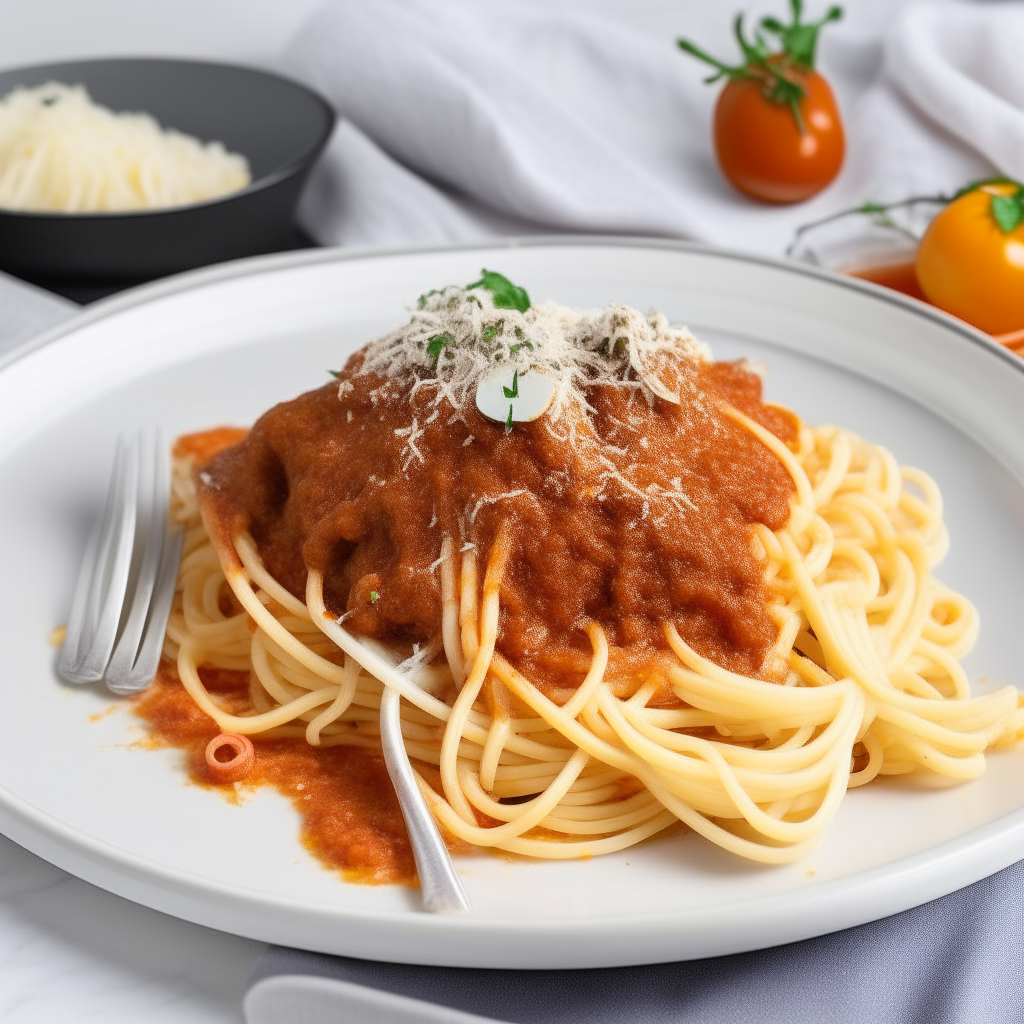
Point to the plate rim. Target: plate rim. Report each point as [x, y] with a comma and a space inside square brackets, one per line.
[269, 262]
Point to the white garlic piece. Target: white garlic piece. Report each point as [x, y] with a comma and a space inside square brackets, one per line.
[526, 395]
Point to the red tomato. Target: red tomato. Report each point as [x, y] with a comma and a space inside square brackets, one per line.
[778, 134]
[761, 148]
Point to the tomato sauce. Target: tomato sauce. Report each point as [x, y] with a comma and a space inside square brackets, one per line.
[351, 820]
[328, 481]
[901, 277]
[645, 517]
[202, 446]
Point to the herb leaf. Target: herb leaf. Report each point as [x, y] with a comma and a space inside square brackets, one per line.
[521, 344]
[422, 300]
[512, 392]
[1008, 211]
[374, 597]
[508, 422]
[438, 342]
[491, 330]
[335, 373]
[506, 294]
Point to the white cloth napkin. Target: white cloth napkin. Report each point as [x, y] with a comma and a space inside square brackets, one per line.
[949, 106]
[463, 120]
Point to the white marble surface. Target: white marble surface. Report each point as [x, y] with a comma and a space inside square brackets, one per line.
[72, 952]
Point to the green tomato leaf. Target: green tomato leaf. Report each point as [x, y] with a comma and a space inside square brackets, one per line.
[1008, 210]
[506, 294]
[800, 41]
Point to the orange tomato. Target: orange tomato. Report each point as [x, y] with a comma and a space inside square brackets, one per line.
[967, 265]
[761, 148]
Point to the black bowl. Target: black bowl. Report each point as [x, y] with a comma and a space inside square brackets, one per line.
[279, 126]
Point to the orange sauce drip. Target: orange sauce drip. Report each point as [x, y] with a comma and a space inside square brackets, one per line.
[203, 445]
[350, 818]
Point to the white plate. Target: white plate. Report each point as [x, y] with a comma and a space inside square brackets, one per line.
[222, 345]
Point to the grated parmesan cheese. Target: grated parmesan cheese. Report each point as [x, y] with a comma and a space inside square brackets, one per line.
[60, 152]
[457, 335]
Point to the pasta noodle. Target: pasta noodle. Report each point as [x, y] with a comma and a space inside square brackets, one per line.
[869, 680]
[60, 152]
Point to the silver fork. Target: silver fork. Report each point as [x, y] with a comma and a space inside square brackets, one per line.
[126, 584]
[116, 633]
[443, 892]
[442, 889]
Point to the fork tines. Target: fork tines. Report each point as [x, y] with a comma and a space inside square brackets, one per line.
[125, 587]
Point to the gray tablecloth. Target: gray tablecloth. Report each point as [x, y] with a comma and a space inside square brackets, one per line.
[957, 960]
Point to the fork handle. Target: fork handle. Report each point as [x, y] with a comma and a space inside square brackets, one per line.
[443, 892]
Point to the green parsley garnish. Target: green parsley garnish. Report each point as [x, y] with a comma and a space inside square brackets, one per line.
[506, 294]
[335, 373]
[491, 330]
[512, 392]
[374, 597]
[508, 422]
[438, 342]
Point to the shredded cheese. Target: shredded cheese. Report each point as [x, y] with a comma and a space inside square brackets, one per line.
[457, 335]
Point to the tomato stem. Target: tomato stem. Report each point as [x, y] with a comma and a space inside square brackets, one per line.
[880, 210]
[799, 41]
[1007, 211]
[772, 69]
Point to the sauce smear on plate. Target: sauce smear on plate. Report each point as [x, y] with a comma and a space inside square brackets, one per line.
[351, 821]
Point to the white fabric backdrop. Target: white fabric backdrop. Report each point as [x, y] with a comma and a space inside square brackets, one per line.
[463, 120]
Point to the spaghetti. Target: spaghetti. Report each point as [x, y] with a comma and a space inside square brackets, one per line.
[614, 726]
